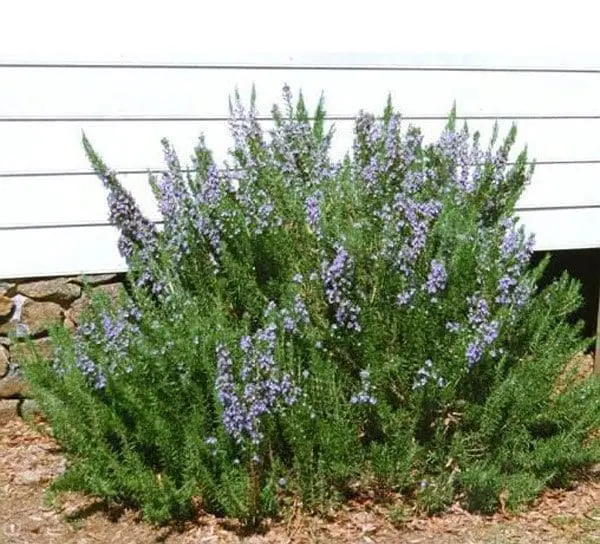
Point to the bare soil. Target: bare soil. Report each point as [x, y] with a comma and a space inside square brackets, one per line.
[30, 460]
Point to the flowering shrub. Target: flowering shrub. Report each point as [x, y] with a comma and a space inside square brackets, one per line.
[309, 328]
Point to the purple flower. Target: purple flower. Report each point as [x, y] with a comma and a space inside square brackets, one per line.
[296, 152]
[426, 374]
[478, 310]
[114, 332]
[101, 350]
[337, 280]
[403, 298]
[448, 144]
[485, 331]
[175, 204]
[505, 286]
[90, 370]
[300, 311]
[127, 216]
[413, 181]
[515, 253]
[261, 388]
[437, 278]
[392, 141]
[289, 324]
[474, 352]
[247, 133]
[234, 417]
[138, 236]
[365, 395]
[313, 211]
[521, 294]
[490, 332]
[292, 318]
[510, 241]
[406, 226]
[412, 145]
[464, 162]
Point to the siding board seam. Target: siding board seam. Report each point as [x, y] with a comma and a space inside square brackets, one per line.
[23, 174]
[205, 118]
[297, 67]
[96, 224]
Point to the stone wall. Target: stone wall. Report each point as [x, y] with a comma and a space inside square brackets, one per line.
[28, 307]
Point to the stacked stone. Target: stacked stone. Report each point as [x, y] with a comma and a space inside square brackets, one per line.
[29, 307]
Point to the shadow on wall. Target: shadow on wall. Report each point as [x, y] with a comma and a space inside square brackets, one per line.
[584, 265]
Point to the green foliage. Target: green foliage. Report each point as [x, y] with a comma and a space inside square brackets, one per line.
[306, 328]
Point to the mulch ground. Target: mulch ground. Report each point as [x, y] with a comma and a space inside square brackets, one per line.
[29, 461]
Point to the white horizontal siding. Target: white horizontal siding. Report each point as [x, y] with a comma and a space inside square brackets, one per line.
[93, 249]
[136, 145]
[53, 218]
[202, 91]
[72, 200]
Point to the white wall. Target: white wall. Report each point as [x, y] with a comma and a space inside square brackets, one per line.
[128, 76]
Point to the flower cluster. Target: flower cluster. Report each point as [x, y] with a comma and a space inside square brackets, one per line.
[465, 162]
[515, 253]
[486, 330]
[426, 374]
[437, 278]
[302, 158]
[174, 203]
[138, 238]
[298, 315]
[92, 372]
[403, 298]
[406, 224]
[247, 135]
[312, 209]
[383, 157]
[137, 232]
[261, 387]
[365, 395]
[207, 218]
[337, 282]
[119, 330]
[413, 141]
[258, 209]
[414, 219]
[110, 339]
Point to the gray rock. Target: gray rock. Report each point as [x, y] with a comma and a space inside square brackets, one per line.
[58, 290]
[28, 408]
[95, 279]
